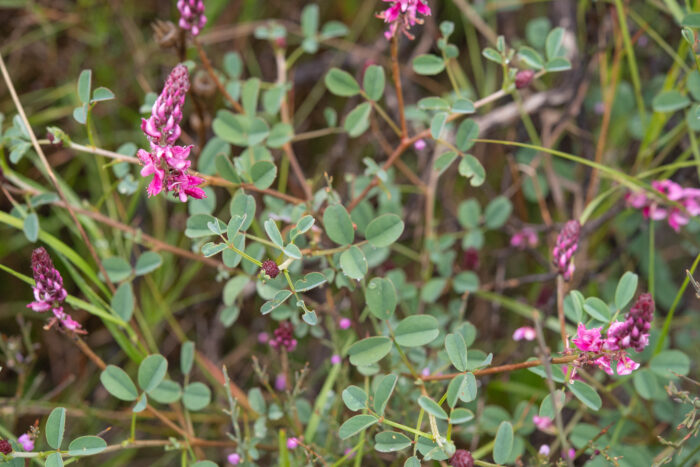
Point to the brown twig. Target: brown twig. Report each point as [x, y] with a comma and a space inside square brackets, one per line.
[52, 176]
[397, 82]
[217, 81]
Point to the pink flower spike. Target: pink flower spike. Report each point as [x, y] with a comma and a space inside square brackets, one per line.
[292, 443]
[542, 423]
[27, 442]
[588, 340]
[526, 332]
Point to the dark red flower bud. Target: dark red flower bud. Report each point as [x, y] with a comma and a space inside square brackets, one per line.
[270, 268]
[523, 78]
[470, 260]
[462, 458]
[5, 446]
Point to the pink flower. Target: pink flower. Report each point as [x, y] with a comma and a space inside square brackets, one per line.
[192, 17]
[344, 323]
[419, 145]
[544, 450]
[280, 382]
[525, 332]
[403, 14]
[263, 337]
[689, 198]
[588, 340]
[292, 443]
[625, 365]
[27, 442]
[566, 246]
[542, 423]
[425, 372]
[335, 359]
[234, 458]
[525, 238]
[284, 337]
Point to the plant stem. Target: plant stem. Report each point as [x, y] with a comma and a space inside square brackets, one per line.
[397, 82]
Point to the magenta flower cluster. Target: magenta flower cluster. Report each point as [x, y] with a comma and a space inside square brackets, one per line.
[689, 198]
[192, 17]
[284, 337]
[632, 333]
[167, 162]
[564, 249]
[525, 238]
[403, 14]
[49, 293]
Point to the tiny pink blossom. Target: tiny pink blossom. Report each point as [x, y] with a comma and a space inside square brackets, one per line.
[263, 337]
[280, 382]
[335, 359]
[192, 17]
[572, 453]
[350, 453]
[234, 458]
[344, 323]
[525, 332]
[419, 145]
[292, 443]
[625, 365]
[588, 340]
[27, 442]
[544, 450]
[402, 14]
[524, 239]
[542, 423]
[425, 372]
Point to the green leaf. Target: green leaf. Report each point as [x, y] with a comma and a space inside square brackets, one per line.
[281, 134]
[470, 389]
[597, 308]
[383, 391]
[471, 169]
[463, 106]
[273, 232]
[80, 114]
[152, 370]
[333, 29]
[309, 20]
[461, 415]
[147, 262]
[586, 394]
[354, 398]
[647, 384]
[31, 227]
[234, 287]
[466, 281]
[467, 132]
[117, 383]
[412, 462]
[353, 263]
[437, 124]
[384, 230]
[263, 174]
[357, 120]
[547, 407]
[166, 392]
[625, 289]
[497, 212]
[117, 268]
[84, 85]
[86, 446]
[557, 64]
[432, 289]
[455, 387]
[198, 226]
[531, 57]
[102, 94]
[391, 441]
[369, 350]
[205, 463]
[249, 95]
[381, 298]
[374, 81]
[309, 281]
[141, 404]
[241, 130]
[469, 213]
[123, 302]
[338, 225]
[669, 362]
[55, 427]
[355, 425]
[341, 83]
[428, 64]
[432, 407]
[670, 101]
[54, 460]
[503, 444]
[554, 45]
[691, 20]
[456, 350]
[492, 55]
[444, 161]
[433, 103]
[279, 298]
[416, 330]
[196, 396]
[210, 249]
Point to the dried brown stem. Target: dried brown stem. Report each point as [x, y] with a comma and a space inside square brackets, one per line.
[210, 70]
[397, 82]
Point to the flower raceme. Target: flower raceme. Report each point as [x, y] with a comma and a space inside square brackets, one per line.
[49, 293]
[192, 17]
[632, 333]
[566, 246]
[403, 14]
[167, 162]
[688, 198]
